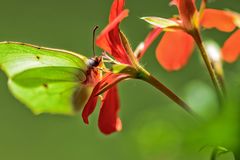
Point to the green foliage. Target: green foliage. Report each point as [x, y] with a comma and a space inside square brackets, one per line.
[168, 133]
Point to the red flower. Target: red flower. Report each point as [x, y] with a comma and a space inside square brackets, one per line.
[176, 45]
[224, 21]
[187, 10]
[110, 41]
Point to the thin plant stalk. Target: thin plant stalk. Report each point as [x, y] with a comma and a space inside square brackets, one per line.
[147, 77]
[142, 74]
[218, 87]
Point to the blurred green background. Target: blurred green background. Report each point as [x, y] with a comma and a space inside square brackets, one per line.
[153, 127]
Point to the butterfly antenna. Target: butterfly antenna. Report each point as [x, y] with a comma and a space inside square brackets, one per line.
[93, 43]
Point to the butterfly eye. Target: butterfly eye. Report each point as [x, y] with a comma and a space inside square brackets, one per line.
[93, 62]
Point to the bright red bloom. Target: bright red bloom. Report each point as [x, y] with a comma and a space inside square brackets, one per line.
[176, 46]
[225, 21]
[110, 41]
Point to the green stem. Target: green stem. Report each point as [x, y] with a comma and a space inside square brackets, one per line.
[147, 77]
[142, 74]
[218, 88]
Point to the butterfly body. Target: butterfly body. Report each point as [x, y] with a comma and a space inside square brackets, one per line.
[46, 79]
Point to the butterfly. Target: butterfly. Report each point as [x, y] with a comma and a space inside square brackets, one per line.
[49, 80]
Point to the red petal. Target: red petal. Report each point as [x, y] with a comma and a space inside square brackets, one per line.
[110, 80]
[109, 121]
[149, 40]
[222, 20]
[109, 39]
[91, 104]
[176, 2]
[102, 39]
[231, 48]
[174, 50]
[187, 9]
[116, 9]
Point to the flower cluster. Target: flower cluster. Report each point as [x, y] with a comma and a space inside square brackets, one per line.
[173, 52]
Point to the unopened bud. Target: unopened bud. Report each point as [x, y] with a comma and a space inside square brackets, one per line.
[214, 54]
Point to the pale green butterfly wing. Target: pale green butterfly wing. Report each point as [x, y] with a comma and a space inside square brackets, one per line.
[45, 79]
[16, 57]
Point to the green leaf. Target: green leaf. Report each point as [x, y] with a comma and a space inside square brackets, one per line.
[160, 22]
[45, 79]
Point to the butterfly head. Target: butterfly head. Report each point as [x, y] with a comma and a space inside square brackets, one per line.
[94, 62]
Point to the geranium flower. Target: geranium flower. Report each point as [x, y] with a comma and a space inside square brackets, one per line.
[225, 21]
[177, 43]
[125, 65]
[113, 42]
